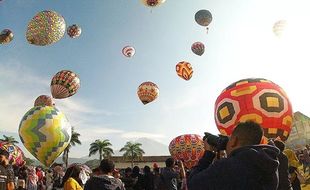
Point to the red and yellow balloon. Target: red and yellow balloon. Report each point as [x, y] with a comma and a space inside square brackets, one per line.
[184, 70]
[258, 100]
[189, 148]
[148, 92]
[64, 84]
[15, 153]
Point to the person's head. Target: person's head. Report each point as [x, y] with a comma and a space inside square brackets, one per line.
[169, 162]
[96, 171]
[156, 170]
[280, 145]
[135, 171]
[308, 147]
[146, 170]
[73, 172]
[107, 166]
[4, 157]
[245, 134]
[116, 174]
[128, 171]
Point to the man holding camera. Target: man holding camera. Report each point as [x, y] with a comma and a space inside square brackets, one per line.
[248, 165]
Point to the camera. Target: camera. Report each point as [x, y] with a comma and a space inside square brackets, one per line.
[219, 142]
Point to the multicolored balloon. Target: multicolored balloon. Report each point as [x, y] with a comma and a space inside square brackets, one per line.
[6, 36]
[258, 100]
[45, 28]
[44, 100]
[74, 31]
[198, 48]
[189, 148]
[279, 28]
[152, 3]
[128, 51]
[64, 84]
[203, 17]
[148, 92]
[184, 70]
[45, 132]
[16, 155]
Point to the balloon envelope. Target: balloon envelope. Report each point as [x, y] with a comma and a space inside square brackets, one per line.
[203, 17]
[128, 51]
[6, 36]
[189, 148]
[258, 100]
[198, 48]
[74, 31]
[44, 100]
[64, 84]
[46, 27]
[148, 92]
[279, 28]
[45, 132]
[152, 3]
[15, 153]
[184, 70]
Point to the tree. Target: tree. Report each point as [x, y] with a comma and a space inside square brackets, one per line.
[132, 151]
[9, 139]
[103, 147]
[73, 141]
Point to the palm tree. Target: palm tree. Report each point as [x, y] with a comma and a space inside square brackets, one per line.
[9, 139]
[74, 140]
[103, 147]
[132, 151]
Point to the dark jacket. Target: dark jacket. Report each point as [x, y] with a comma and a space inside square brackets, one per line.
[249, 167]
[170, 178]
[284, 182]
[104, 182]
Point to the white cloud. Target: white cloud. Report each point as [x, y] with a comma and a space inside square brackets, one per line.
[136, 135]
[96, 132]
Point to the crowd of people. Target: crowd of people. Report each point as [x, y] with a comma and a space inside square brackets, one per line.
[249, 165]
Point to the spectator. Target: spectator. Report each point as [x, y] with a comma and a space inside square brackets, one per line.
[248, 165]
[293, 163]
[138, 178]
[6, 172]
[71, 179]
[148, 178]
[32, 180]
[170, 176]
[128, 180]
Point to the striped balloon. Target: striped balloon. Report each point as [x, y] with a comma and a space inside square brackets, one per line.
[184, 70]
[44, 100]
[128, 51]
[198, 48]
[148, 92]
[64, 84]
[45, 132]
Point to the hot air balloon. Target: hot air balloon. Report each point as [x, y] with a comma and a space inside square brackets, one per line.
[128, 51]
[6, 36]
[64, 84]
[152, 3]
[198, 48]
[189, 148]
[148, 92]
[45, 28]
[74, 31]
[258, 100]
[45, 132]
[203, 17]
[279, 28]
[44, 100]
[15, 153]
[184, 70]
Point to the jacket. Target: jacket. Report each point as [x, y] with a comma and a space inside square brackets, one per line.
[104, 182]
[249, 167]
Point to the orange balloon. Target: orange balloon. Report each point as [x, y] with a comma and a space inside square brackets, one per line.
[184, 70]
[148, 92]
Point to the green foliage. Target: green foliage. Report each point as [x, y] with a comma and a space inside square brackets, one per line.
[103, 147]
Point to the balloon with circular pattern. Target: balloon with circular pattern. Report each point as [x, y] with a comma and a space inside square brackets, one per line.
[189, 148]
[128, 51]
[45, 28]
[184, 70]
[203, 17]
[152, 3]
[258, 100]
[64, 84]
[44, 100]
[74, 31]
[45, 132]
[16, 155]
[198, 48]
[6, 36]
[148, 92]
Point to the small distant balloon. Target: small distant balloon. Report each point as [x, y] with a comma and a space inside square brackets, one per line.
[184, 70]
[64, 84]
[152, 3]
[74, 31]
[198, 48]
[6, 36]
[148, 92]
[203, 17]
[279, 28]
[44, 100]
[128, 51]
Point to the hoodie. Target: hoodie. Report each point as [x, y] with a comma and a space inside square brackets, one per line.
[104, 182]
[250, 167]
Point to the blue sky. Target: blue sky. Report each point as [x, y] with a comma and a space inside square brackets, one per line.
[240, 44]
